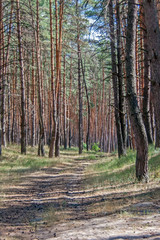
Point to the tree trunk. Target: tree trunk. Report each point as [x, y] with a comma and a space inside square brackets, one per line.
[146, 92]
[135, 114]
[23, 98]
[33, 100]
[88, 105]
[64, 105]
[121, 150]
[153, 38]
[58, 71]
[54, 130]
[41, 123]
[79, 84]
[69, 103]
[122, 108]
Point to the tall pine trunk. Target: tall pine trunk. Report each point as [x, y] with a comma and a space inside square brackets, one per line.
[79, 83]
[135, 114]
[23, 97]
[33, 100]
[122, 107]
[54, 130]
[41, 121]
[88, 106]
[121, 149]
[64, 105]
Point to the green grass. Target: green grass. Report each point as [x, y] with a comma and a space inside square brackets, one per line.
[13, 164]
[12, 161]
[113, 170]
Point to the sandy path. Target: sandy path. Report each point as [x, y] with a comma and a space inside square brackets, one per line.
[52, 204]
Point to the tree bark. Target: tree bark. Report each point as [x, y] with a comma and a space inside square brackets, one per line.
[88, 105]
[135, 114]
[79, 83]
[64, 105]
[58, 71]
[153, 38]
[23, 97]
[122, 108]
[41, 122]
[33, 100]
[54, 130]
[146, 92]
[121, 150]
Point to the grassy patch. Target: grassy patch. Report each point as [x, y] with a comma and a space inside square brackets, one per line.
[113, 170]
[13, 164]
[13, 161]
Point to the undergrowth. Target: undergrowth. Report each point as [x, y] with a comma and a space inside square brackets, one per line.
[114, 170]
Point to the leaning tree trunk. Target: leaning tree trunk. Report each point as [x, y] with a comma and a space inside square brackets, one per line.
[135, 114]
[23, 98]
[121, 150]
[153, 38]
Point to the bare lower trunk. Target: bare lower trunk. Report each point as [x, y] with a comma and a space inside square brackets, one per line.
[135, 114]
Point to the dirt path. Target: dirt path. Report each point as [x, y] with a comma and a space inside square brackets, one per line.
[52, 204]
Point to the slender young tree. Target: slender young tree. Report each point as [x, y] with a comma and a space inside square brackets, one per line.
[3, 117]
[135, 114]
[79, 82]
[54, 130]
[23, 97]
[122, 109]
[64, 105]
[121, 149]
[88, 106]
[58, 70]
[41, 120]
[33, 99]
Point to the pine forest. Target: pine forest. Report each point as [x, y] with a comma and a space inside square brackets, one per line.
[79, 119]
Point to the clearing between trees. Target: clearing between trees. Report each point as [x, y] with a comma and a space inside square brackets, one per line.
[92, 196]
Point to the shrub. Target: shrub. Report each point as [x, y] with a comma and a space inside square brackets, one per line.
[84, 146]
[95, 147]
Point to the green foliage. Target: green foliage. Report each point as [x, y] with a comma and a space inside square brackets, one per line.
[84, 146]
[95, 147]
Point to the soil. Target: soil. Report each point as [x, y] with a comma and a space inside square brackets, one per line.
[55, 203]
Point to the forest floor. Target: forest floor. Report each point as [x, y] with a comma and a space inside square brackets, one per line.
[76, 198]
